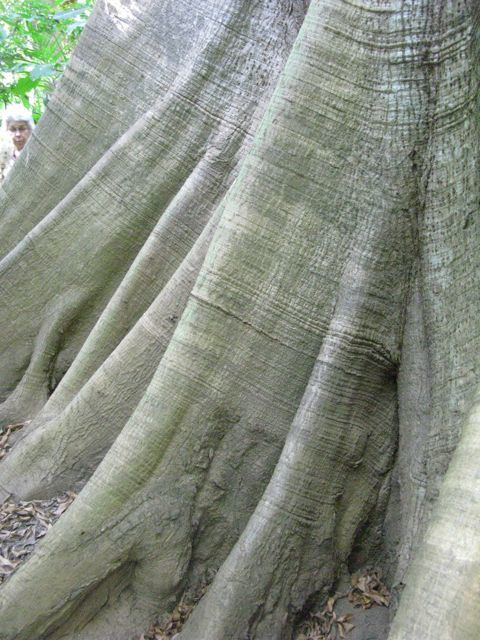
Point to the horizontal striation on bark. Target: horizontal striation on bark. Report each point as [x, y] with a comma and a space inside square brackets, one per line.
[283, 327]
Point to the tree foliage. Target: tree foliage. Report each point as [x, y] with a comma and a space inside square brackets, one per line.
[36, 40]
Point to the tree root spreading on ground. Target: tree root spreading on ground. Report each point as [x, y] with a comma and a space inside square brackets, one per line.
[239, 273]
[367, 590]
[24, 523]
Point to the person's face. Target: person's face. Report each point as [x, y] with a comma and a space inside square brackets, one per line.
[20, 133]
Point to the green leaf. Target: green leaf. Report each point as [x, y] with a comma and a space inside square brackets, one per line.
[36, 40]
[23, 86]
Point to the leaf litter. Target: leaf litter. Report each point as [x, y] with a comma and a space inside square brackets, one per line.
[22, 524]
[326, 625]
[5, 433]
[173, 625]
[367, 590]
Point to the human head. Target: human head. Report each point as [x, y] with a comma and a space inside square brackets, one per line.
[19, 125]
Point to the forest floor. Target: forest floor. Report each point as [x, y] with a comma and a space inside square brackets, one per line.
[358, 612]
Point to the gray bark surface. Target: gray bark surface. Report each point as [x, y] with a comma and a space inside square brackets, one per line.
[244, 321]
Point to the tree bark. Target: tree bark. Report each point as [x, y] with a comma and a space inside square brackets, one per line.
[245, 323]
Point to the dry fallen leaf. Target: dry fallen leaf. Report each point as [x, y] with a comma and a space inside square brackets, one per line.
[344, 625]
[22, 524]
[368, 589]
[5, 433]
[170, 629]
[326, 624]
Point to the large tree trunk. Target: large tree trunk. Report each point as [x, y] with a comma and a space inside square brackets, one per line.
[249, 231]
